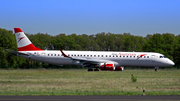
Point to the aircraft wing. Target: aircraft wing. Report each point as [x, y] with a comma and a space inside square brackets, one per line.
[86, 60]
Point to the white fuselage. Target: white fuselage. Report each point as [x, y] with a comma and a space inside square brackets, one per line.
[149, 59]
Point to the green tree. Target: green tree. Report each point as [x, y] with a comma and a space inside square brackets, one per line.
[41, 40]
[164, 44]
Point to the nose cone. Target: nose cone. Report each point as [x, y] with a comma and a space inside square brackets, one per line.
[171, 63]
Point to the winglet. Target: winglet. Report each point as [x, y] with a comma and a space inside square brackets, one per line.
[63, 53]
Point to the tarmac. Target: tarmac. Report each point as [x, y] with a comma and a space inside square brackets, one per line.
[90, 98]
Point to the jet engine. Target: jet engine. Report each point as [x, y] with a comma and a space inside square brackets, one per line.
[119, 68]
[110, 66]
[107, 66]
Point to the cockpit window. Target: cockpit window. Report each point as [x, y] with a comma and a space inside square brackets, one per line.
[162, 57]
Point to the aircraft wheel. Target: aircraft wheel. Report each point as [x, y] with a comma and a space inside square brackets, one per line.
[96, 69]
[156, 70]
[90, 69]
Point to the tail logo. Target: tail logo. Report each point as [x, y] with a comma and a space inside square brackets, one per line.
[20, 39]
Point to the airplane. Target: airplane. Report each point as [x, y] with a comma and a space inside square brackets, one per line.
[94, 60]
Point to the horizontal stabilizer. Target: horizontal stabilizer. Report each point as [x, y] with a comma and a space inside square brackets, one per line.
[16, 52]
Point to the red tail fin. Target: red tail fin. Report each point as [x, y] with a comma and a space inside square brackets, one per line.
[23, 43]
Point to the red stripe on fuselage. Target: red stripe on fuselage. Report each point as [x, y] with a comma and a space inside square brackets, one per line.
[29, 47]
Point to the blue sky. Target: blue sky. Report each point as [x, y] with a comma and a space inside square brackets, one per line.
[138, 17]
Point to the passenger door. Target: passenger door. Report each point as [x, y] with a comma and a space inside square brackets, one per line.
[153, 58]
[43, 55]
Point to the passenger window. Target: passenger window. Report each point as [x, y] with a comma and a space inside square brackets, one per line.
[147, 56]
[94, 55]
[48, 54]
[109, 55]
[127, 56]
[51, 54]
[144, 56]
[106, 56]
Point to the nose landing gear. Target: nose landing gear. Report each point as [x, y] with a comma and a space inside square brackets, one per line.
[156, 68]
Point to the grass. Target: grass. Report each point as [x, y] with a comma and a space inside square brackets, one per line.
[81, 82]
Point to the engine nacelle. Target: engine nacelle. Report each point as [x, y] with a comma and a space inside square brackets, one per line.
[119, 68]
[110, 66]
[107, 66]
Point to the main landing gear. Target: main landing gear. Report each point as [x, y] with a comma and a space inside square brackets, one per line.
[96, 69]
[90, 69]
[93, 66]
